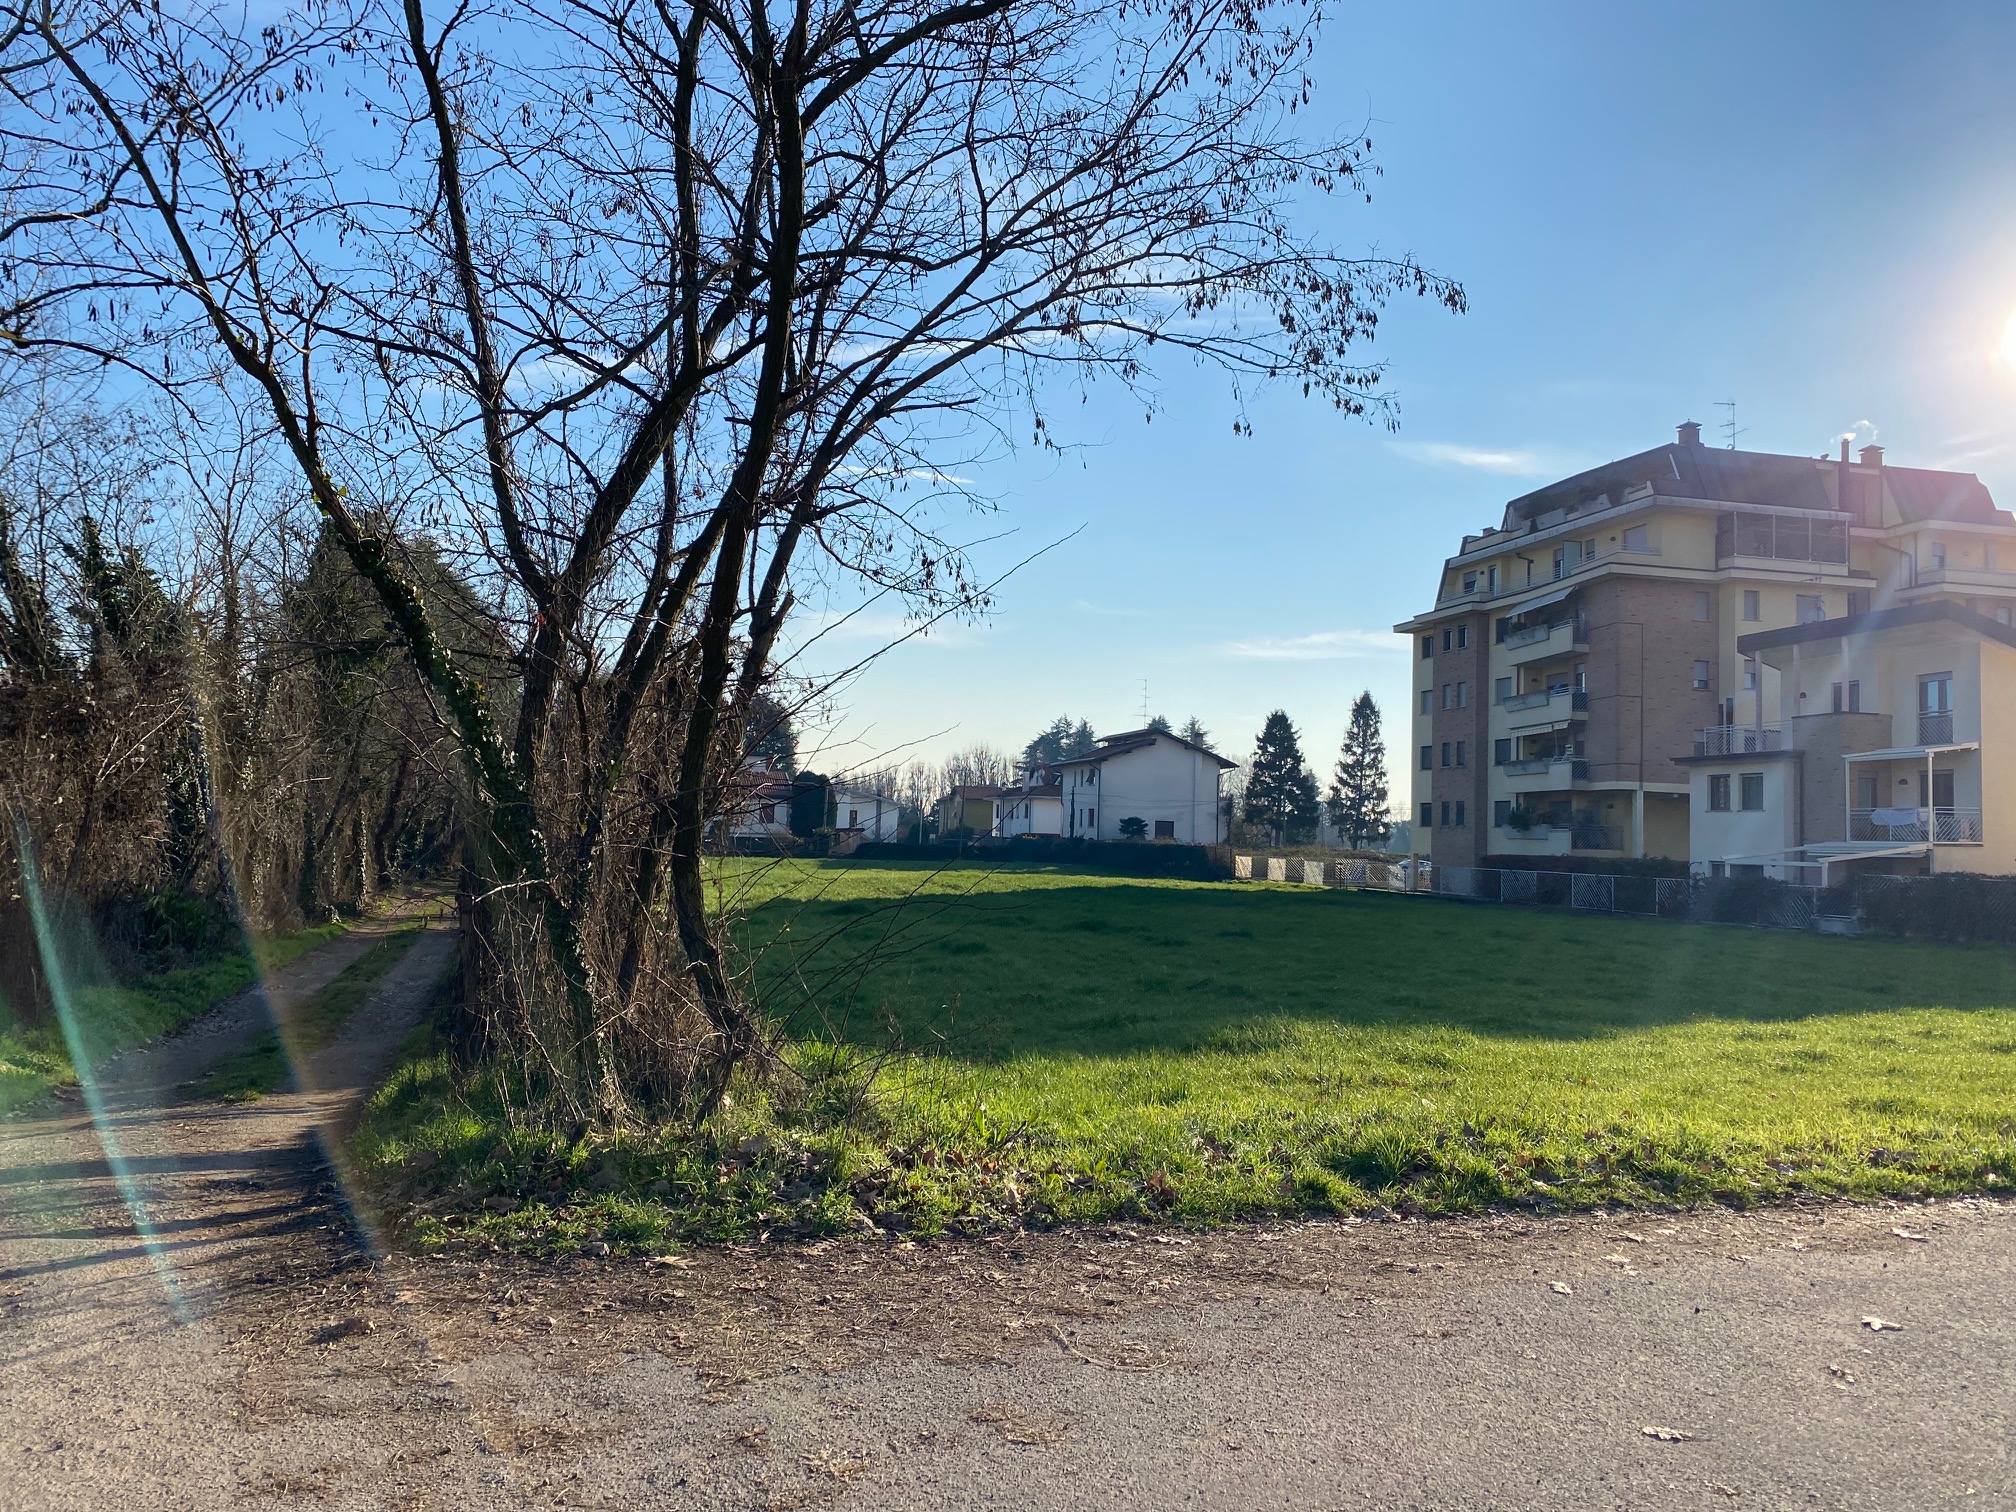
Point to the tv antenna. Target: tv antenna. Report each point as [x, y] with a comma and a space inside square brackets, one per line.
[1729, 430]
[1144, 700]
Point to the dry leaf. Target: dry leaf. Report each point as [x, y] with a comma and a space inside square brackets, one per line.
[1877, 1325]
[1666, 1435]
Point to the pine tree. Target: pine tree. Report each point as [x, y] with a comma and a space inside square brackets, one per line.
[1060, 740]
[1083, 742]
[1159, 723]
[1280, 789]
[1193, 731]
[1358, 795]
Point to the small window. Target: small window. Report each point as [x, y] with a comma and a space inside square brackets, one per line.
[1938, 554]
[1854, 696]
[1448, 750]
[1504, 686]
[1858, 600]
[1445, 813]
[1165, 829]
[1448, 690]
[1462, 695]
[1459, 813]
[1427, 647]
[1427, 816]
[1589, 548]
[1428, 758]
[1462, 637]
[1717, 869]
[1448, 639]
[1840, 699]
[1469, 582]
[1812, 608]
[1638, 538]
[1718, 793]
[1753, 609]
[1750, 675]
[1501, 752]
[1751, 790]
[1092, 816]
[1700, 675]
[1462, 753]
[1702, 604]
[1427, 700]
[1501, 813]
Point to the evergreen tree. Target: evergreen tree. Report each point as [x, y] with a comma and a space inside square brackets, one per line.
[1060, 740]
[1193, 731]
[1160, 724]
[1280, 789]
[1083, 741]
[1357, 800]
[768, 734]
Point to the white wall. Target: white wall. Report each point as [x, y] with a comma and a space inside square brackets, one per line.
[1164, 781]
[1741, 834]
[876, 815]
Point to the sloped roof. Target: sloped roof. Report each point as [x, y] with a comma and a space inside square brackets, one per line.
[1136, 740]
[1923, 493]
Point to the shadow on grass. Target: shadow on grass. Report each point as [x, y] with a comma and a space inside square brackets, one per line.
[999, 963]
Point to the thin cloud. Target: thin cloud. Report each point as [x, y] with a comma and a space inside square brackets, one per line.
[1323, 645]
[1506, 463]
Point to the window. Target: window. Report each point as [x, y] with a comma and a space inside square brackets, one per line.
[1501, 752]
[1165, 829]
[1702, 604]
[1718, 793]
[1448, 639]
[1448, 690]
[1700, 675]
[1427, 647]
[2002, 615]
[1428, 758]
[1491, 579]
[1935, 693]
[1638, 538]
[1462, 695]
[1858, 600]
[853, 818]
[1840, 702]
[1812, 607]
[1589, 548]
[1751, 790]
[1501, 813]
[1854, 696]
[1462, 637]
[1469, 582]
[1447, 750]
[1504, 686]
[1459, 813]
[1749, 676]
[1753, 610]
[1445, 813]
[1092, 817]
[1462, 753]
[1427, 700]
[1938, 554]
[1427, 816]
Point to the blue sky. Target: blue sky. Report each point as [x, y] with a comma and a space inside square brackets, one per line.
[1810, 209]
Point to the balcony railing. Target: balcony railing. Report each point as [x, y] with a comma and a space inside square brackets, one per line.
[1578, 698]
[1785, 538]
[1935, 729]
[1738, 740]
[1948, 826]
[1543, 766]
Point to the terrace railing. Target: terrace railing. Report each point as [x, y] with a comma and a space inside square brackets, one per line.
[1738, 740]
[1935, 729]
[1946, 826]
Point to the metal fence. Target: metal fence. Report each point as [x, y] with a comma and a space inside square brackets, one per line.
[1722, 899]
[1380, 876]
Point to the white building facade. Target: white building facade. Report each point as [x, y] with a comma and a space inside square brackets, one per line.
[1170, 784]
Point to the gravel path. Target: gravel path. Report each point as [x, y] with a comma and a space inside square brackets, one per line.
[1492, 1363]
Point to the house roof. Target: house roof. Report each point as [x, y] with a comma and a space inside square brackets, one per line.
[1680, 470]
[1128, 741]
[973, 790]
[1935, 611]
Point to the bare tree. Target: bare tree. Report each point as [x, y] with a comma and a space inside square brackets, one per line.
[699, 308]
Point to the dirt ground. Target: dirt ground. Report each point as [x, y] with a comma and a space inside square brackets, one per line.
[240, 1343]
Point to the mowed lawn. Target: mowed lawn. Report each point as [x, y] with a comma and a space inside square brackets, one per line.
[973, 1047]
[1271, 1046]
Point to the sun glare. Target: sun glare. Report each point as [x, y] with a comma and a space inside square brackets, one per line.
[2007, 350]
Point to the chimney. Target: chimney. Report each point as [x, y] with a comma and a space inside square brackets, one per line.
[1871, 456]
[1844, 451]
[1690, 433]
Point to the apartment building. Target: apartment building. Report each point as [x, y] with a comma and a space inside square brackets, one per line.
[1583, 650]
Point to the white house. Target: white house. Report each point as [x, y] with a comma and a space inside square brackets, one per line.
[877, 816]
[1170, 784]
[758, 805]
[1034, 806]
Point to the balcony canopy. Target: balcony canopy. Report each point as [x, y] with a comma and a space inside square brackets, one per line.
[1912, 753]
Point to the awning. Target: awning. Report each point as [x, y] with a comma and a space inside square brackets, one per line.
[1912, 753]
[1544, 600]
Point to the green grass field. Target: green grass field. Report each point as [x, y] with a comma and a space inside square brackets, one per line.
[981, 1047]
[113, 1016]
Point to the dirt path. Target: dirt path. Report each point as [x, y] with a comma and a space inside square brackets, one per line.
[1491, 1363]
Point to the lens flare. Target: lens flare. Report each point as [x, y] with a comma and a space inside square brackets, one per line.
[2006, 352]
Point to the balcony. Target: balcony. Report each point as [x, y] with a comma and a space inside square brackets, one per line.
[1948, 826]
[1935, 729]
[1761, 538]
[1555, 770]
[1538, 642]
[1544, 706]
[1738, 740]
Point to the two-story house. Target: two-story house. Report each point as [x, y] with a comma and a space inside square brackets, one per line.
[1170, 784]
[1891, 747]
[1581, 651]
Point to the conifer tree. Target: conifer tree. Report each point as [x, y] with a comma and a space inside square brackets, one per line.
[1193, 731]
[1358, 796]
[1280, 789]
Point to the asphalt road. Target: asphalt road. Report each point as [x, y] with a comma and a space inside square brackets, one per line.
[257, 1355]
